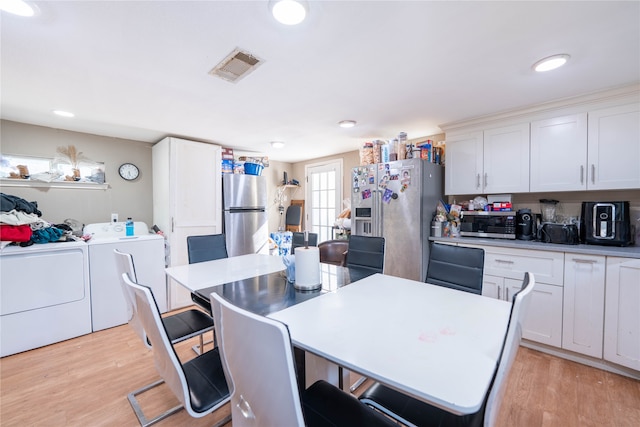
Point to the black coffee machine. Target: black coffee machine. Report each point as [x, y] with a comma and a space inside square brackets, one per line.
[606, 223]
[526, 225]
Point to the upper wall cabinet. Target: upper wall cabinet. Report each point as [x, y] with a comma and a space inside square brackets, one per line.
[614, 148]
[559, 154]
[490, 161]
[599, 150]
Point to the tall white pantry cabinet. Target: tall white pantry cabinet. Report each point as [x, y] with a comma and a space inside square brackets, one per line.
[187, 199]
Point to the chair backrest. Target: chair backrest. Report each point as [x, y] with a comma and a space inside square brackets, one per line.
[298, 240]
[366, 252]
[166, 361]
[333, 251]
[293, 218]
[257, 358]
[456, 267]
[124, 264]
[206, 248]
[519, 307]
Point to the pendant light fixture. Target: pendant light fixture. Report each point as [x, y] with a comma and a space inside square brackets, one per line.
[289, 12]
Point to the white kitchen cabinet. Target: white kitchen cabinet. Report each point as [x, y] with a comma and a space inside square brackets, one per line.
[490, 161]
[614, 148]
[187, 199]
[464, 164]
[622, 312]
[583, 307]
[506, 160]
[504, 270]
[559, 154]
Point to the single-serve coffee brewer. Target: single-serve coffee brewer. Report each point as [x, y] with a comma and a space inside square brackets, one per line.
[526, 225]
[606, 223]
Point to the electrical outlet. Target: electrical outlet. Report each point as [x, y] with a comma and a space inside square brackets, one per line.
[114, 217]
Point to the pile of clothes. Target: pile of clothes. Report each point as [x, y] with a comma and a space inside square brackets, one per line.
[20, 223]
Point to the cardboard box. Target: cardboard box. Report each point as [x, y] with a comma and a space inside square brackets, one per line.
[227, 154]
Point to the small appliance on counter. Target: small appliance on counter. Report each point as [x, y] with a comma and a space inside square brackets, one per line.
[488, 224]
[565, 234]
[527, 224]
[606, 223]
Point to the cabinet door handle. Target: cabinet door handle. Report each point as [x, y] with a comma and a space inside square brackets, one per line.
[506, 291]
[584, 261]
[593, 173]
[485, 180]
[477, 180]
[581, 174]
[499, 293]
[505, 261]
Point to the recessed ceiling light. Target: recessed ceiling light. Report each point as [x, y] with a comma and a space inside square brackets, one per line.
[288, 12]
[17, 7]
[551, 62]
[277, 144]
[347, 123]
[63, 113]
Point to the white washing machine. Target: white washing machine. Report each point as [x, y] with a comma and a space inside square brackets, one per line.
[108, 307]
[45, 295]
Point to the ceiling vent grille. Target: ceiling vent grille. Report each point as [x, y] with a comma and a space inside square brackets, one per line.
[237, 65]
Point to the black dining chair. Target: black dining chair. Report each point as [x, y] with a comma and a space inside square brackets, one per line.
[456, 267]
[366, 252]
[258, 361]
[412, 412]
[199, 384]
[205, 248]
[298, 240]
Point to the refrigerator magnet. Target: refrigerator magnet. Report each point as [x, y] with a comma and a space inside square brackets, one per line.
[386, 197]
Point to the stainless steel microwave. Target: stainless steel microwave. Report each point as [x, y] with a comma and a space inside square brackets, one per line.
[492, 224]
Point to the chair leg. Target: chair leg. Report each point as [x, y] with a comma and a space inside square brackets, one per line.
[142, 419]
[197, 348]
[357, 384]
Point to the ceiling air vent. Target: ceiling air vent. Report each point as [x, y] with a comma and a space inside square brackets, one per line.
[236, 66]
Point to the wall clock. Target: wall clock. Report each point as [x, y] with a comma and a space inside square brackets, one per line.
[128, 171]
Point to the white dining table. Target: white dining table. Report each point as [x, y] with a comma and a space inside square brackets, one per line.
[206, 274]
[433, 343]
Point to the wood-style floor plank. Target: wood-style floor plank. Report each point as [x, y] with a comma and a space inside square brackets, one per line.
[85, 381]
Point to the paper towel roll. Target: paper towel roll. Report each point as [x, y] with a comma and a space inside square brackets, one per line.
[307, 268]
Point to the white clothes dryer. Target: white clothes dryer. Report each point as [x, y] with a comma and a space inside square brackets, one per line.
[108, 307]
[45, 295]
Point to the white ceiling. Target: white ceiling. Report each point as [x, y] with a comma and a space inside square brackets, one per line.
[139, 69]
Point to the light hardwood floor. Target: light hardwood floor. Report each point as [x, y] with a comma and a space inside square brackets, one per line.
[84, 382]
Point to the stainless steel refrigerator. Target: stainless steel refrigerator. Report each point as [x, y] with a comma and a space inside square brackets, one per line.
[397, 200]
[245, 214]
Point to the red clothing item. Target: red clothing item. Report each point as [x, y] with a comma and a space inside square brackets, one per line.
[15, 233]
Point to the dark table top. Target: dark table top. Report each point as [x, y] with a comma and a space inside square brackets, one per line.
[272, 292]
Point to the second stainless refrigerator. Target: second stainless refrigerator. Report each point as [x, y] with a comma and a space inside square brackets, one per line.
[397, 200]
[245, 214]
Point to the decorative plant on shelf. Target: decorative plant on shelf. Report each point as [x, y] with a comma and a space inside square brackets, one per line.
[71, 155]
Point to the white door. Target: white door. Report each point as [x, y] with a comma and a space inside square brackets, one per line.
[614, 148]
[506, 159]
[323, 198]
[583, 309]
[622, 317]
[463, 173]
[559, 154]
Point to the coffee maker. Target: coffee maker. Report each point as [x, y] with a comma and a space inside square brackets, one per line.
[606, 223]
[526, 225]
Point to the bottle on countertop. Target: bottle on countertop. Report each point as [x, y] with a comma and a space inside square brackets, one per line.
[129, 227]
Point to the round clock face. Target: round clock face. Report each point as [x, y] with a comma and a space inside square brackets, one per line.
[129, 171]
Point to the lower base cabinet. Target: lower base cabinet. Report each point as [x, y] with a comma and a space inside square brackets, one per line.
[622, 312]
[543, 322]
[583, 308]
